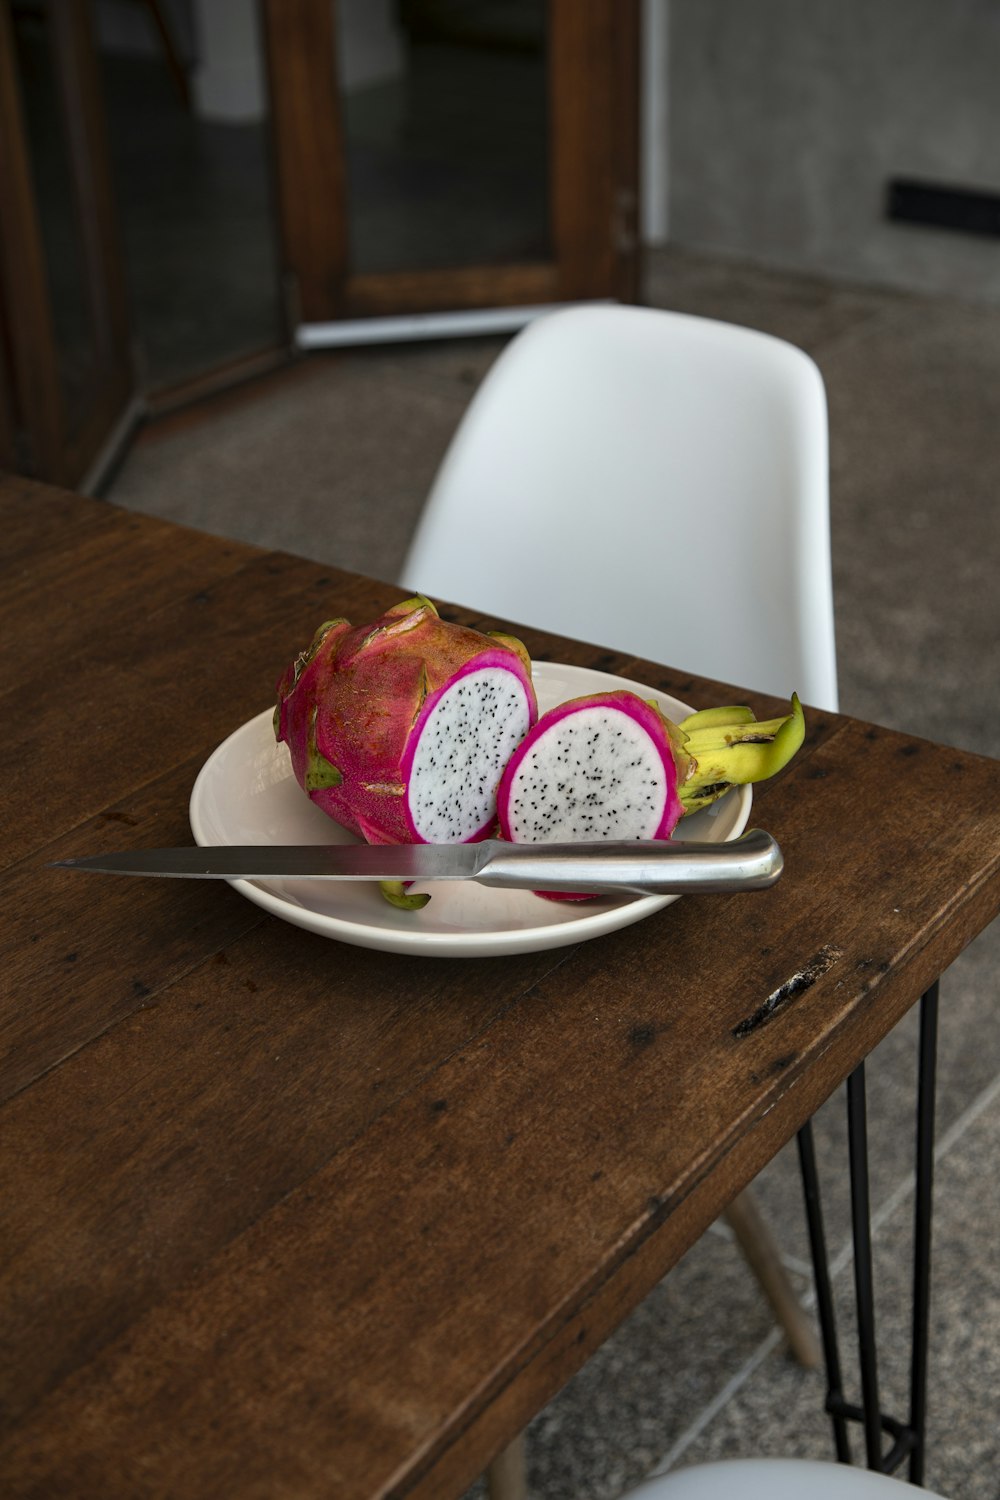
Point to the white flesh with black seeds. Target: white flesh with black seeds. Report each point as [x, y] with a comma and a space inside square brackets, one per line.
[468, 738]
[595, 774]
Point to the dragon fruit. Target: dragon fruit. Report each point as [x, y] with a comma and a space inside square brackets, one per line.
[613, 766]
[400, 730]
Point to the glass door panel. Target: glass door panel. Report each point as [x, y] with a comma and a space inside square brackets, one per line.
[445, 121]
[190, 155]
[452, 156]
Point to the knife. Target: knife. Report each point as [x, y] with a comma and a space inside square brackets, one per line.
[629, 868]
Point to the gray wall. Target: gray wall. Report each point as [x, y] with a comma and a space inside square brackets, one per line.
[788, 117]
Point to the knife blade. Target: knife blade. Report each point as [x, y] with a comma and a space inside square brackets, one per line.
[634, 867]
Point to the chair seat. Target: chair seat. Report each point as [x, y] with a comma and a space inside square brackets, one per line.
[776, 1479]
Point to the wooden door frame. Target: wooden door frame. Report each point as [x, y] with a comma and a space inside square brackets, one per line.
[594, 148]
[35, 400]
[36, 410]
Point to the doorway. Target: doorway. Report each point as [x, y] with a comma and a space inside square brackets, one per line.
[192, 206]
[491, 161]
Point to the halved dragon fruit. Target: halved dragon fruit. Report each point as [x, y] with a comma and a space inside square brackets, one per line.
[605, 766]
[400, 730]
[612, 766]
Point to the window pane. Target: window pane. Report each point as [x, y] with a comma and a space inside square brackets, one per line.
[445, 119]
[194, 187]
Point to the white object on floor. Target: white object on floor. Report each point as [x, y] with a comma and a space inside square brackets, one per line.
[776, 1479]
[402, 327]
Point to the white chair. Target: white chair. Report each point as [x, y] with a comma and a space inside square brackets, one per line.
[776, 1479]
[651, 481]
[658, 484]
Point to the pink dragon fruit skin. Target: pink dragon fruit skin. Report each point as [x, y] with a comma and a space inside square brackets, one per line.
[399, 730]
[602, 766]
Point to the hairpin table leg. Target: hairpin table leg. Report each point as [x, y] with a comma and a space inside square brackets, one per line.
[909, 1437]
[922, 1228]
[824, 1292]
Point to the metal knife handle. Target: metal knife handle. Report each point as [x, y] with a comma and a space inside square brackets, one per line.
[750, 863]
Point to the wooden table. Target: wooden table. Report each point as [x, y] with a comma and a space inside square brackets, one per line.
[286, 1217]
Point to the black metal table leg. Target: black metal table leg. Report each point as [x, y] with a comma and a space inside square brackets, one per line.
[864, 1287]
[923, 1203]
[908, 1437]
[824, 1292]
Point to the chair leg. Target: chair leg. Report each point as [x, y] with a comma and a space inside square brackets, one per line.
[507, 1475]
[762, 1254]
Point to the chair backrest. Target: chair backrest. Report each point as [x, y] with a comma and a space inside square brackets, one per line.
[652, 482]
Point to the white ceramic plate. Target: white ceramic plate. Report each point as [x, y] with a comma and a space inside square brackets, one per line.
[246, 794]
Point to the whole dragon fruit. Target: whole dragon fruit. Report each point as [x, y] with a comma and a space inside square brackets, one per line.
[399, 730]
[612, 766]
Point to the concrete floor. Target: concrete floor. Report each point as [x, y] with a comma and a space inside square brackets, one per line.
[333, 460]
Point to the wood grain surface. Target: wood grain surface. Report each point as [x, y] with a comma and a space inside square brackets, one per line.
[284, 1217]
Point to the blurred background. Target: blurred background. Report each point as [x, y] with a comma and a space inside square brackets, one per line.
[194, 191]
[256, 257]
